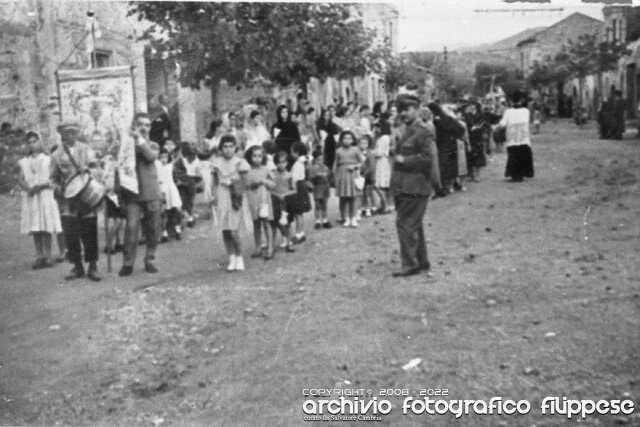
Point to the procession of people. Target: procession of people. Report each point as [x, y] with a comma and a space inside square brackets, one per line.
[396, 157]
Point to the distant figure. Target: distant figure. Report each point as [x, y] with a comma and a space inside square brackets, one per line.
[519, 156]
[448, 130]
[604, 120]
[284, 132]
[617, 115]
[161, 126]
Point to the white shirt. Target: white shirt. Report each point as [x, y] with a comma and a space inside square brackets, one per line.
[298, 169]
[256, 135]
[193, 168]
[516, 120]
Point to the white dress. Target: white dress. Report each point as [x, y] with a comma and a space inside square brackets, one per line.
[168, 186]
[383, 166]
[207, 169]
[40, 212]
[227, 170]
[256, 135]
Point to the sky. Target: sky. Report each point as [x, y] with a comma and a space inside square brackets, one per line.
[433, 24]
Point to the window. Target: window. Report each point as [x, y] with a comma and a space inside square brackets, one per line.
[101, 58]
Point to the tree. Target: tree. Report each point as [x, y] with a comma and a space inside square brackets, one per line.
[508, 78]
[240, 42]
[547, 73]
[587, 56]
[402, 72]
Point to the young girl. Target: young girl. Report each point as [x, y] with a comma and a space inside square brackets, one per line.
[171, 199]
[382, 177]
[259, 182]
[282, 190]
[300, 204]
[116, 215]
[228, 173]
[40, 215]
[368, 172]
[319, 175]
[187, 175]
[347, 165]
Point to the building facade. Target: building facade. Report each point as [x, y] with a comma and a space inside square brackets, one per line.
[547, 43]
[39, 37]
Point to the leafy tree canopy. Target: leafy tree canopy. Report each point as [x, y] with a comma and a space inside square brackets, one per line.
[504, 76]
[587, 55]
[282, 42]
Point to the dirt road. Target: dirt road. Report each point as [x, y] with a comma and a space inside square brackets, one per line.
[536, 293]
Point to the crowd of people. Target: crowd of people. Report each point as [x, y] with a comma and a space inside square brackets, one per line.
[391, 157]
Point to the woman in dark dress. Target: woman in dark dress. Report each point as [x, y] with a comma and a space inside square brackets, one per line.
[448, 131]
[326, 124]
[477, 130]
[284, 132]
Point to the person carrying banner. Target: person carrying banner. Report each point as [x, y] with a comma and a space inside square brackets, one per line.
[141, 196]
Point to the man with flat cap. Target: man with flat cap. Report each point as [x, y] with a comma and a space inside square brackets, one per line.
[80, 226]
[411, 186]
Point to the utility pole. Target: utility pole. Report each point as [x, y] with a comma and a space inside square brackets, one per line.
[91, 26]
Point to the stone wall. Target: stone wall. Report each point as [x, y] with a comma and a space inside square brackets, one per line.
[38, 37]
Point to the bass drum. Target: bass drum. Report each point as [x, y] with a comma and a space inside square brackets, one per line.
[84, 190]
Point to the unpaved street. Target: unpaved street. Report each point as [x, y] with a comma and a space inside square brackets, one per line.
[536, 292]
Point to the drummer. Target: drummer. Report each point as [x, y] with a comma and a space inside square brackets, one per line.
[79, 225]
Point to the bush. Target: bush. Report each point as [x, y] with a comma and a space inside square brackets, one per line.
[11, 150]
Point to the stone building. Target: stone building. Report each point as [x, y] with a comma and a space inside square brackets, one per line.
[548, 42]
[39, 37]
[622, 25]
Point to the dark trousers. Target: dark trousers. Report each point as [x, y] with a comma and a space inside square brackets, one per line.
[409, 224]
[150, 228]
[81, 232]
[187, 195]
[171, 218]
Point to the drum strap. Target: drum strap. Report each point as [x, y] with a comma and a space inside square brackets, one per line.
[71, 158]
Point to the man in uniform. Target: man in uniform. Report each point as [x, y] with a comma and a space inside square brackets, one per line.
[80, 226]
[411, 187]
[144, 207]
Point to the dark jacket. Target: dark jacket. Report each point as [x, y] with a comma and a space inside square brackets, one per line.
[161, 128]
[148, 186]
[288, 134]
[413, 176]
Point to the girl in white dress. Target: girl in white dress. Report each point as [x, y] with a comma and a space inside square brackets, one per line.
[172, 204]
[383, 165]
[40, 215]
[229, 172]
